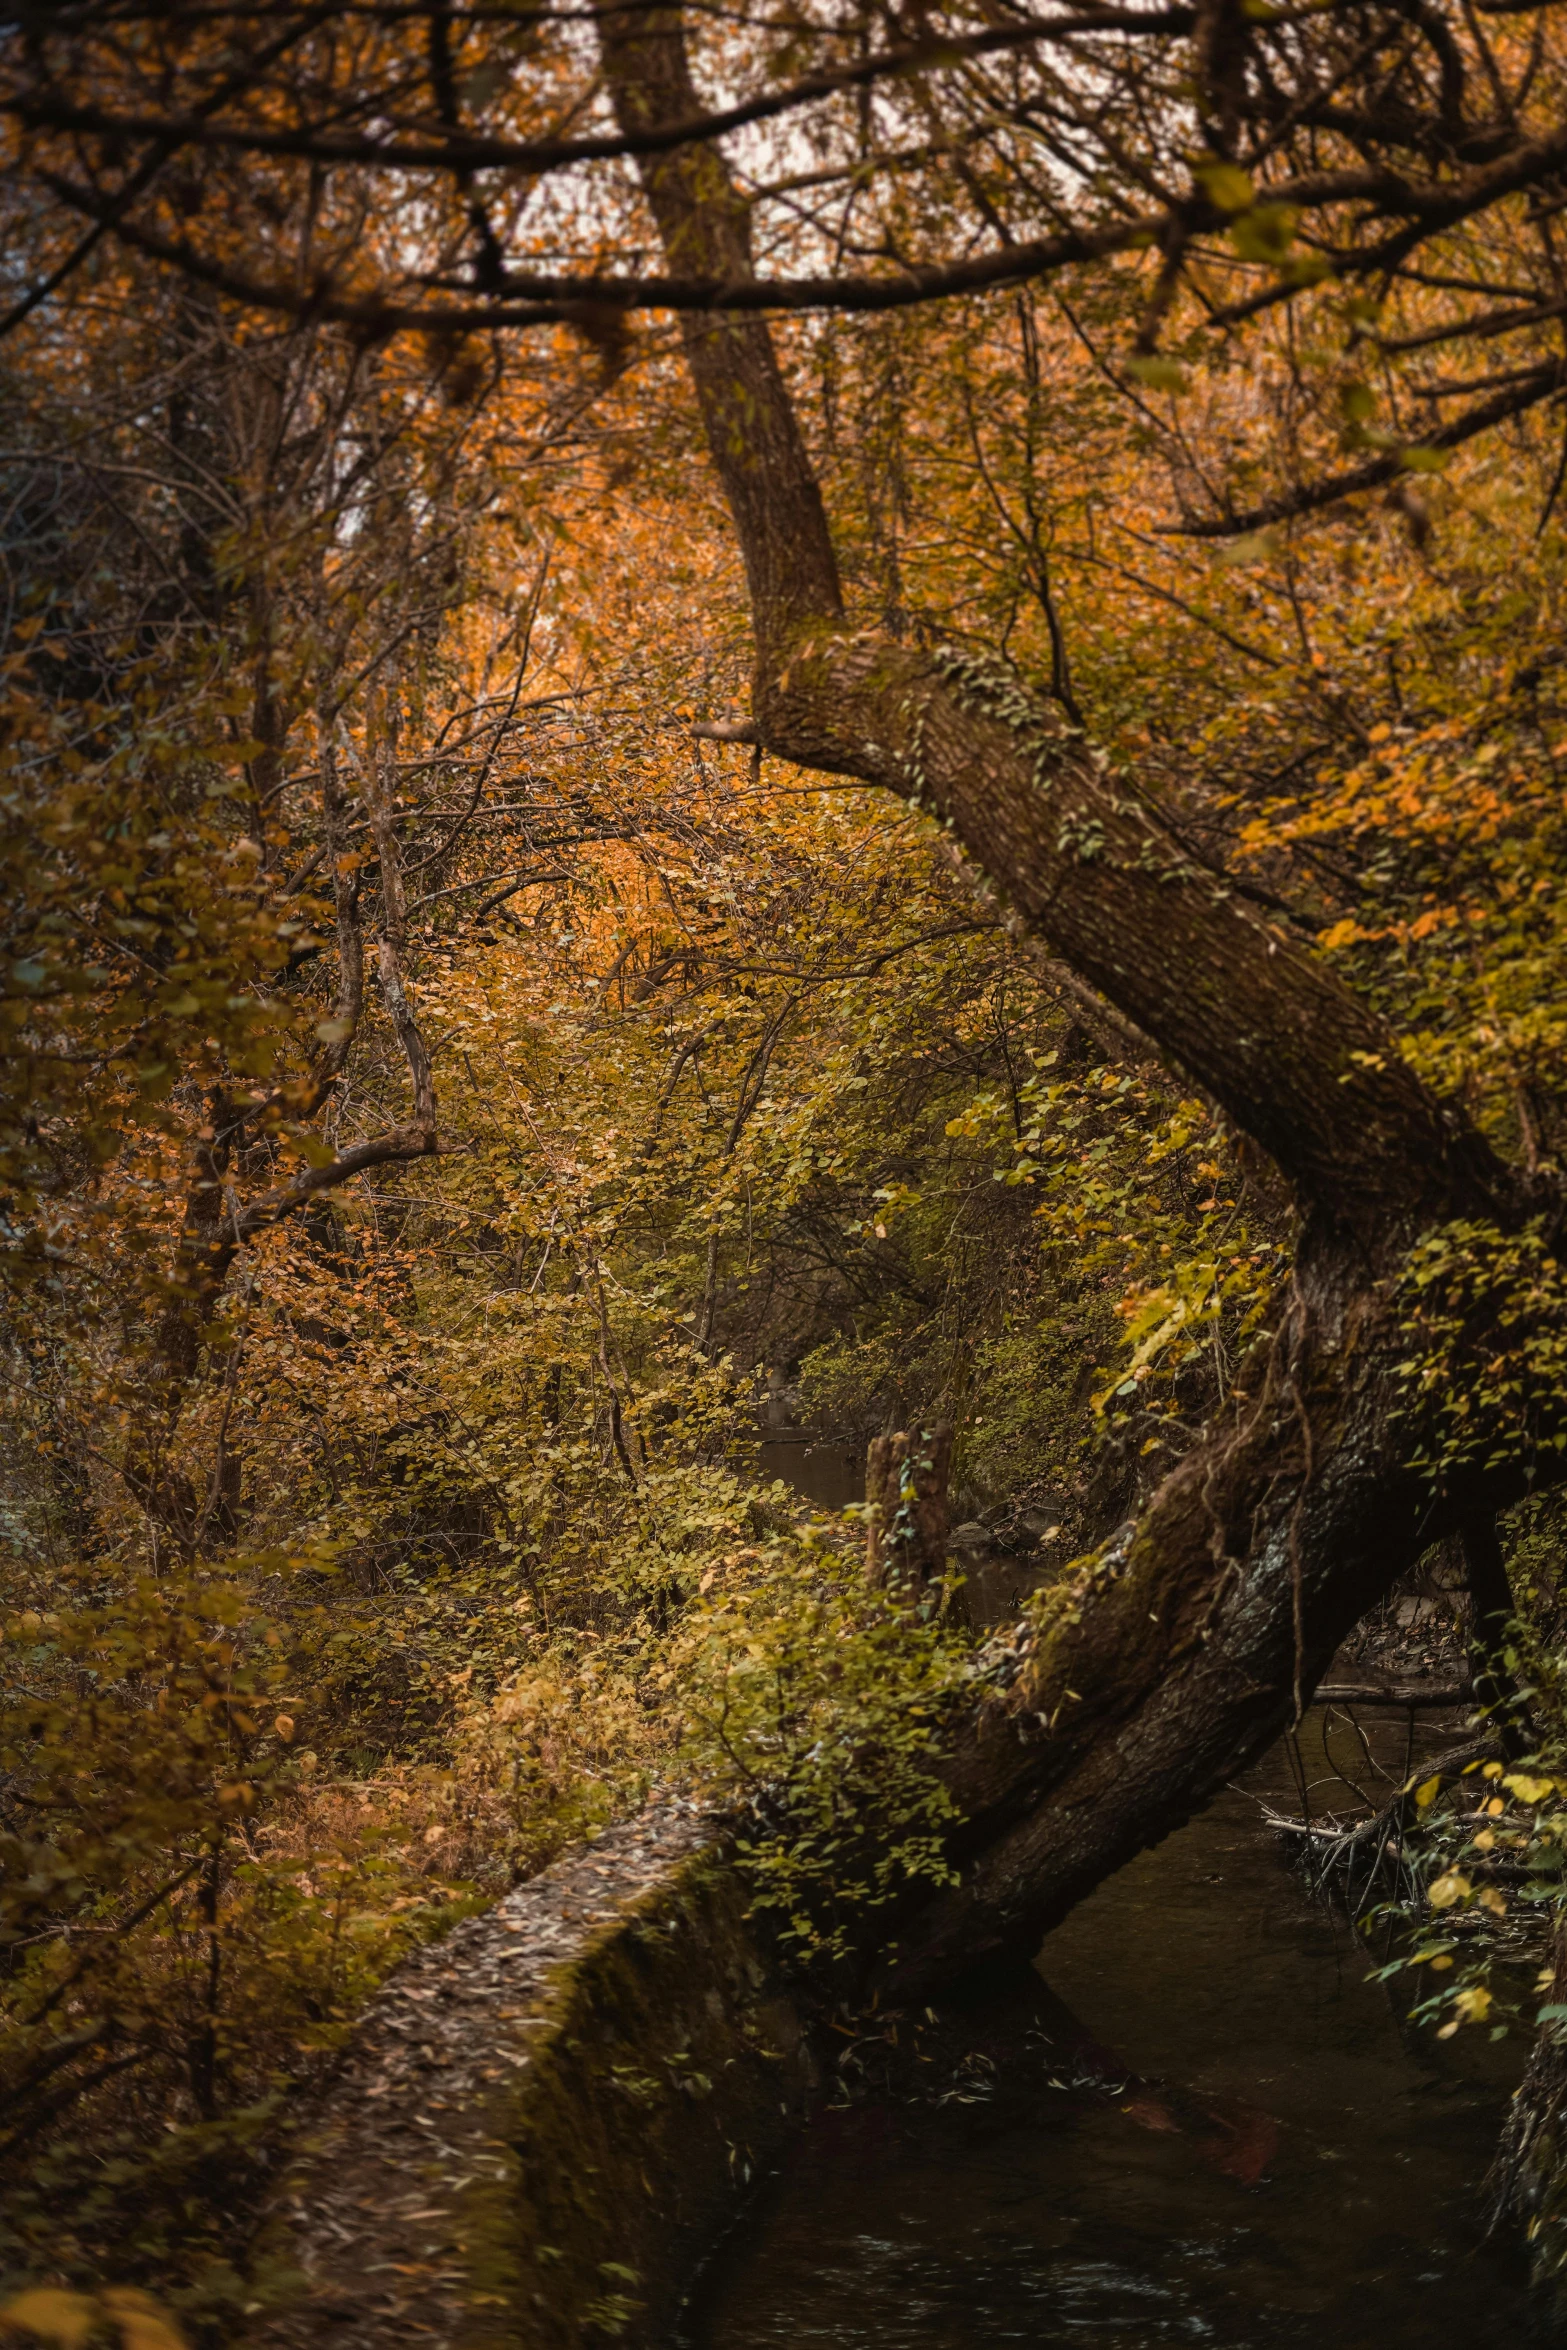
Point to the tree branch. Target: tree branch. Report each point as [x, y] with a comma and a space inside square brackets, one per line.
[1541, 383]
[393, 946]
[466, 152]
[398, 1144]
[1295, 1061]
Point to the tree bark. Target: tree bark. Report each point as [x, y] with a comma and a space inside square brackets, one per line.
[1294, 1059]
[1177, 1654]
[1528, 2181]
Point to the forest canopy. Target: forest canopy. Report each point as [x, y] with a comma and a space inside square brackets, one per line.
[721, 724]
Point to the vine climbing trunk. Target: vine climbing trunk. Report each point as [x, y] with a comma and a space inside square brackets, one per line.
[1190, 1642]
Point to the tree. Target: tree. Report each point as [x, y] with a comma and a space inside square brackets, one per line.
[1186, 1647]
[1378, 162]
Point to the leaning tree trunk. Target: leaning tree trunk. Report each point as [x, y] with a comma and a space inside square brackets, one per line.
[1183, 1650]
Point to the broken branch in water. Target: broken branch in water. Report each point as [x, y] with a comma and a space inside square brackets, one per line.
[1424, 1696]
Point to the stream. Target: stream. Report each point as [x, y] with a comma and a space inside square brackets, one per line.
[1334, 2202]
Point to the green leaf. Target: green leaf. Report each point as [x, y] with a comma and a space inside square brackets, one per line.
[1225, 185]
[1265, 232]
[1159, 374]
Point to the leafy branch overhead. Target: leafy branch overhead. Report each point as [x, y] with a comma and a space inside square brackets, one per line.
[1227, 164]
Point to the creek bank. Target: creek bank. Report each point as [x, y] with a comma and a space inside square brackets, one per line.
[546, 2118]
[549, 2121]
[546, 2121]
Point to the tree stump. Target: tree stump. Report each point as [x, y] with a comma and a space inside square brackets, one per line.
[906, 1532]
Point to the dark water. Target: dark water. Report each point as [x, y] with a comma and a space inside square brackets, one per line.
[1330, 2201]
[827, 1472]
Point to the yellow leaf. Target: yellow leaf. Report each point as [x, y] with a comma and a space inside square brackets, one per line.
[1451, 1886]
[1425, 1796]
[1158, 373]
[1527, 1788]
[1422, 460]
[1225, 185]
[142, 2324]
[67, 2318]
[1256, 546]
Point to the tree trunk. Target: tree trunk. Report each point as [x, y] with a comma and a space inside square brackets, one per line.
[214, 1227]
[1179, 1652]
[1494, 1687]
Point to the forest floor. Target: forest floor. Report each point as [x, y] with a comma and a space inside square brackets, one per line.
[1412, 1636]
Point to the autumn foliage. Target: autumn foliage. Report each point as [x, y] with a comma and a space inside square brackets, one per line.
[450, 1068]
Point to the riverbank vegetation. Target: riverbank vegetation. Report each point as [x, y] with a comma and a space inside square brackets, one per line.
[464, 1047]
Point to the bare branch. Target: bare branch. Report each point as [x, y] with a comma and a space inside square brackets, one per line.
[462, 153]
[1541, 383]
[393, 1148]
